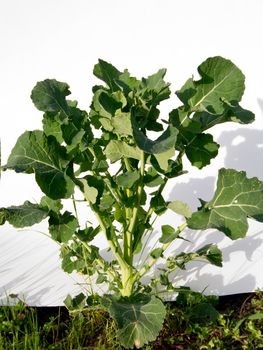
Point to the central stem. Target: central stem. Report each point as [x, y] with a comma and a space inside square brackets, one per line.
[127, 281]
[133, 220]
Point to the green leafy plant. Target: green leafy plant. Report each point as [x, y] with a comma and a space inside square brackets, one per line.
[106, 159]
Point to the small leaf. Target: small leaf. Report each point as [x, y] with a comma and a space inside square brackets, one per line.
[50, 96]
[156, 253]
[90, 192]
[52, 126]
[88, 234]
[180, 208]
[236, 198]
[105, 104]
[139, 319]
[163, 158]
[127, 179]
[158, 204]
[76, 303]
[106, 202]
[163, 144]
[212, 253]
[62, 227]
[108, 73]
[51, 204]
[152, 178]
[168, 234]
[156, 87]
[101, 279]
[116, 150]
[200, 149]
[204, 312]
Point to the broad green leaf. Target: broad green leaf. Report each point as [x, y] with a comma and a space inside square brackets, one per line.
[212, 253]
[180, 208]
[164, 143]
[24, 215]
[139, 319]
[116, 150]
[168, 234]
[62, 227]
[50, 96]
[127, 179]
[236, 199]
[108, 73]
[220, 79]
[200, 149]
[34, 152]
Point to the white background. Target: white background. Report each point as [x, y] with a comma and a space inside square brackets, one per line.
[63, 39]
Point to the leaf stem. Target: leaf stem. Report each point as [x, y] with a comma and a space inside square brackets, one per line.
[75, 207]
[100, 262]
[148, 266]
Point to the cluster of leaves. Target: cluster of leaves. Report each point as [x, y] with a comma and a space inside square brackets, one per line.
[72, 156]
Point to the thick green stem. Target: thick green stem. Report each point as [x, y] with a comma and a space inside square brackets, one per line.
[127, 280]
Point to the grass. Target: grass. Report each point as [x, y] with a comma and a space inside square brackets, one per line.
[190, 323]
